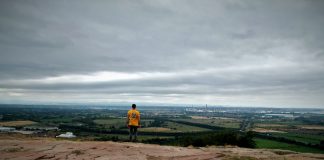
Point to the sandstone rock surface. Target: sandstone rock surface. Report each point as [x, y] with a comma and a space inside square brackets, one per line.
[37, 149]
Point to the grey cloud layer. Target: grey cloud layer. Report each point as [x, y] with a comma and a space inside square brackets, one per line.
[275, 48]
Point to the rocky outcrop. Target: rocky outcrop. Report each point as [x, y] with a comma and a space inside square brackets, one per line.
[37, 149]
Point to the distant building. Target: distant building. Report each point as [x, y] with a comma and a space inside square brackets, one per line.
[7, 129]
[66, 135]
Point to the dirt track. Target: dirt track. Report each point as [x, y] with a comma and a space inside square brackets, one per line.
[59, 149]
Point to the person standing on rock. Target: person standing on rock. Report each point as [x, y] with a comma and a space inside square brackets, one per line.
[133, 122]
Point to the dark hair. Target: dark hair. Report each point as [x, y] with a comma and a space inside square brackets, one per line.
[133, 105]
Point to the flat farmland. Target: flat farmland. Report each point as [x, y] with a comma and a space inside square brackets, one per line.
[218, 121]
[155, 129]
[280, 126]
[270, 128]
[290, 130]
[58, 120]
[184, 128]
[315, 127]
[277, 122]
[288, 125]
[113, 122]
[270, 144]
[266, 125]
[300, 137]
[263, 130]
[171, 127]
[17, 123]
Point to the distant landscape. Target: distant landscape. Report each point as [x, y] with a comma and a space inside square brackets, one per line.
[295, 129]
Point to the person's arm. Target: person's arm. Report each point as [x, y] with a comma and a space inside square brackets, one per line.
[127, 120]
[139, 120]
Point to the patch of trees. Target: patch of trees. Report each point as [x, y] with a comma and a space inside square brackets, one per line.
[321, 145]
[215, 138]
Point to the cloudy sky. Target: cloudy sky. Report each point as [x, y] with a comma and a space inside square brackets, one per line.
[241, 53]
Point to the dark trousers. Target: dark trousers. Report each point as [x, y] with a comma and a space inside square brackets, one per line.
[133, 132]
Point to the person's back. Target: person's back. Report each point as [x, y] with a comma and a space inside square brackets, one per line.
[133, 116]
[133, 122]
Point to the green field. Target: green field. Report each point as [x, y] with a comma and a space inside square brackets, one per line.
[184, 128]
[226, 123]
[58, 120]
[172, 127]
[112, 121]
[270, 144]
[305, 138]
[278, 121]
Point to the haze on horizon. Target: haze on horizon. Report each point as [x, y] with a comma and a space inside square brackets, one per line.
[245, 53]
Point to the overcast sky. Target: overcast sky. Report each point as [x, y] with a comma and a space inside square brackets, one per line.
[241, 53]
